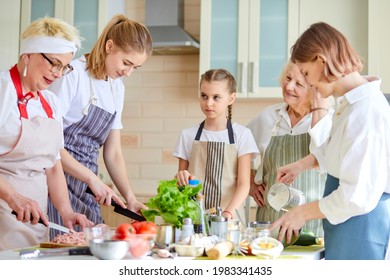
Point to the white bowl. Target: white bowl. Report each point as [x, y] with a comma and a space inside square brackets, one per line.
[189, 250]
[266, 247]
[109, 249]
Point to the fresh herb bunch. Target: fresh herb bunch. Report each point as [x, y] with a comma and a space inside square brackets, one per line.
[172, 203]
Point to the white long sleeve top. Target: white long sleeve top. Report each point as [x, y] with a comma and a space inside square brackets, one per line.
[357, 152]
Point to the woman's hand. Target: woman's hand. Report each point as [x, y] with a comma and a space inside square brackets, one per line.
[317, 100]
[27, 210]
[288, 173]
[257, 192]
[293, 220]
[290, 224]
[183, 177]
[71, 219]
[104, 193]
[136, 206]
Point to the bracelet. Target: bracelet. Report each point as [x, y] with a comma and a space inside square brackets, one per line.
[319, 108]
[231, 215]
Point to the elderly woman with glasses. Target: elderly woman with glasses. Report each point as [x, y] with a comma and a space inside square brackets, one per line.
[31, 136]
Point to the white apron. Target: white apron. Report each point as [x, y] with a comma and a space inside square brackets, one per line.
[215, 164]
[24, 169]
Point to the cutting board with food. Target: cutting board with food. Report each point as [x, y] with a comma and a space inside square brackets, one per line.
[57, 245]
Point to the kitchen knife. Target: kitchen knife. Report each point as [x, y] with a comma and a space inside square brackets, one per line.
[123, 211]
[51, 225]
[37, 253]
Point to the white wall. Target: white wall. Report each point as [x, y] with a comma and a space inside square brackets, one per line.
[9, 33]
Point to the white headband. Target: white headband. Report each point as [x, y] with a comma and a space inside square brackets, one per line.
[47, 44]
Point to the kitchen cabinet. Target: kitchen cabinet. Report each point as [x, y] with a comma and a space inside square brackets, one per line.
[348, 16]
[89, 16]
[379, 41]
[251, 39]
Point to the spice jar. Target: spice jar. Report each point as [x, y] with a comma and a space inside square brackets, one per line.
[219, 225]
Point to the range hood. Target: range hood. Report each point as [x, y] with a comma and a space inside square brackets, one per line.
[165, 21]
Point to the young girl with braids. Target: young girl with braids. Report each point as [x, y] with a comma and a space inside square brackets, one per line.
[217, 151]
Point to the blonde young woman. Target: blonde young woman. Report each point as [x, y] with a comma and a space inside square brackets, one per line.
[92, 98]
[355, 208]
[217, 152]
[31, 136]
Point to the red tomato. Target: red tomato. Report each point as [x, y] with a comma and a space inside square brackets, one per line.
[136, 225]
[147, 227]
[125, 231]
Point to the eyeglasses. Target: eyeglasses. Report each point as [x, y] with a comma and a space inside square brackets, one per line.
[56, 67]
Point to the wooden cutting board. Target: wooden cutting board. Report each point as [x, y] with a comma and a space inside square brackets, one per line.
[57, 245]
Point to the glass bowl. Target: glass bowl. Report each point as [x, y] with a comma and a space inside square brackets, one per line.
[105, 249]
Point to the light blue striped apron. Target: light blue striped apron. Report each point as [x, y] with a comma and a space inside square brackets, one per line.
[83, 141]
[364, 237]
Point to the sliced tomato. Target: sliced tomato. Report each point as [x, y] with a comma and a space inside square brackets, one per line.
[125, 231]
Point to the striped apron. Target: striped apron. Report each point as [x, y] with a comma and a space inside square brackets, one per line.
[283, 150]
[24, 169]
[83, 141]
[364, 237]
[215, 163]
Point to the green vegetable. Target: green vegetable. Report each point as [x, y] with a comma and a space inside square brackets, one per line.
[172, 203]
[306, 238]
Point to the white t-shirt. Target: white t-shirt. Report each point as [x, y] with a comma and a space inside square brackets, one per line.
[74, 92]
[10, 125]
[358, 153]
[243, 139]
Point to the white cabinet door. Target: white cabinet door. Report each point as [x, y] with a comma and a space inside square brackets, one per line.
[89, 16]
[273, 28]
[348, 16]
[9, 33]
[251, 39]
[379, 41]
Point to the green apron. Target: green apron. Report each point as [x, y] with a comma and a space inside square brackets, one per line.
[283, 150]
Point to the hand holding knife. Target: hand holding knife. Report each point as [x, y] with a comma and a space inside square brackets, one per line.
[123, 211]
[51, 225]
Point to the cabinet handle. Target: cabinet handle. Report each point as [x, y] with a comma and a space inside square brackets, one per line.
[239, 76]
[251, 77]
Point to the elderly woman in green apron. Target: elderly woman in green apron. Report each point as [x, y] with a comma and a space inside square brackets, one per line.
[355, 207]
[31, 136]
[217, 151]
[281, 134]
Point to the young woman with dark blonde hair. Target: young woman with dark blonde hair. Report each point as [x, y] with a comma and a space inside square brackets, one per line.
[92, 98]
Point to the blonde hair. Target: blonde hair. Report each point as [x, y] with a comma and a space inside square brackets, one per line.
[127, 34]
[52, 27]
[322, 39]
[221, 75]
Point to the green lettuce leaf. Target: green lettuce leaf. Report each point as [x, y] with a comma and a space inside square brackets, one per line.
[172, 203]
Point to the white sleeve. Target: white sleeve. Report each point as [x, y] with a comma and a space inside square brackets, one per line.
[363, 171]
[319, 136]
[180, 150]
